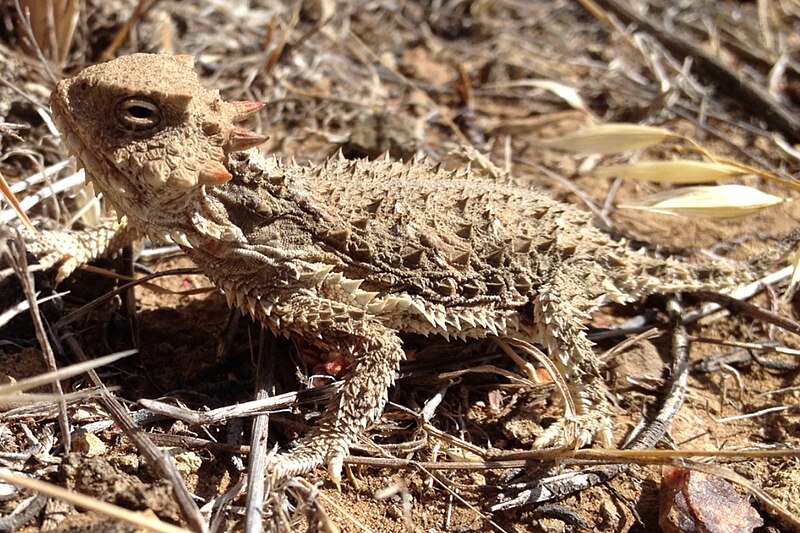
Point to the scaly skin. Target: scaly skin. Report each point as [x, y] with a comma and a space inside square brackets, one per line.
[347, 254]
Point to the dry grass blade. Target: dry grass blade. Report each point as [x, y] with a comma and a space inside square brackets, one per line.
[608, 139]
[569, 94]
[87, 502]
[142, 7]
[681, 171]
[69, 13]
[42, 194]
[31, 399]
[570, 410]
[63, 373]
[9, 196]
[724, 201]
[19, 308]
[52, 23]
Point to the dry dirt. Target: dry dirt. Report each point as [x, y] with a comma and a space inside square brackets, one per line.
[421, 78]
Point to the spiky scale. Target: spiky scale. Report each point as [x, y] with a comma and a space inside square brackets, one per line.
[465, 231]
[496, 257]
[462, 259]
[523, 245]
[361, 223]
[351, 285]
[446, 287]
[414, 257]
[373, 205]
[365, 297]
[246, 108]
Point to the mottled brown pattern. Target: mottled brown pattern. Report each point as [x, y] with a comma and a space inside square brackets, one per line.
[347, 254]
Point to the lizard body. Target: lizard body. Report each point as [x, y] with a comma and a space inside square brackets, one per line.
[347, 254]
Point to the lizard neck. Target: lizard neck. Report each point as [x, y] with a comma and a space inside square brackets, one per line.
[189, 220]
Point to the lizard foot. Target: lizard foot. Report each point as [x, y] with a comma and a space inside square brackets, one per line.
[64, 251]
[330, 449]
[577, 432]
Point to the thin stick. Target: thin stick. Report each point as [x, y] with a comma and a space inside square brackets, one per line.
[87, 502]
[19, 263]
[259, 457]
[752, 310]
[552, 487]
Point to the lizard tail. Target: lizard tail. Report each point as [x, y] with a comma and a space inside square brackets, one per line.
[648, 274]
[777, 251]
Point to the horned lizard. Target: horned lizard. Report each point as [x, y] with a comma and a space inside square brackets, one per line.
[347, 254]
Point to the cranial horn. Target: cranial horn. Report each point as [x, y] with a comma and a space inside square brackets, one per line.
[246, 108]
[242, 139]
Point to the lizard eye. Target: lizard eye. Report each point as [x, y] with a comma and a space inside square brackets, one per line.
[137, 113]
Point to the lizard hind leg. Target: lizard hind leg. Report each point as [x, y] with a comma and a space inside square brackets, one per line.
[361, 399]
[561, 329]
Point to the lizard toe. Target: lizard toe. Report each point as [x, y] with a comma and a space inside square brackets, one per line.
[577, 432]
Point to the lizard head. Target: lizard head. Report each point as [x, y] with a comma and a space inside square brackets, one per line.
[148, 134]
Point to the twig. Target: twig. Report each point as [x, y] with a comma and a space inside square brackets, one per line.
[254, 407]
[23, 513]
[25, 23]
[74, 315]
[752, 310]
[762, 412]
[142, 7]
[21, 307]
[61, 373]
[19, 262]
[259, 458]
[746, 291]
[5, 189]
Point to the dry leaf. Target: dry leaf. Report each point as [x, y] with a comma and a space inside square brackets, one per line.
[723, 201]
[681, 171]
[608, 139]
[460, 454]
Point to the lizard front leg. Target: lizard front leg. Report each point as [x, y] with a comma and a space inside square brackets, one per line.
[561, 329]
[376, 353]
[66, 250]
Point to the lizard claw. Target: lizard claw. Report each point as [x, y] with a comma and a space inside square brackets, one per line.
[577, 432]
